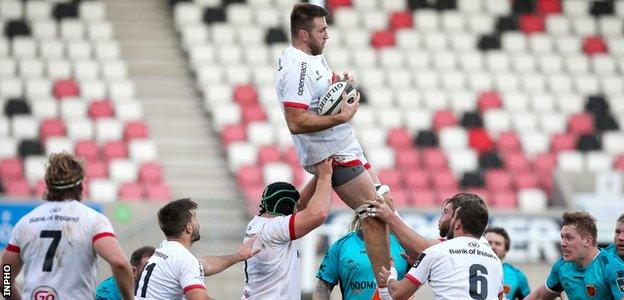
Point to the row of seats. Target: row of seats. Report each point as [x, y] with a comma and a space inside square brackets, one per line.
[523, 107]
[64, 87]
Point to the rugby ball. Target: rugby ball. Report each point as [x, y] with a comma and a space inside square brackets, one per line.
[331, 100]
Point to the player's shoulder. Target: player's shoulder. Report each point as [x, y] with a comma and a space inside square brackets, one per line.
[609, 260]
[560, 264]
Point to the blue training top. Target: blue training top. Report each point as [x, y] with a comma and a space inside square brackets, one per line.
[603, 278]
[515, 282]
[347, 263]
[108, 290]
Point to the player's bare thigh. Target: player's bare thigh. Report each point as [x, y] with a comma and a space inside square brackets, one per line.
[357, 191]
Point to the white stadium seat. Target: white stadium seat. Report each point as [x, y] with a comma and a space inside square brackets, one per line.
[102, 190]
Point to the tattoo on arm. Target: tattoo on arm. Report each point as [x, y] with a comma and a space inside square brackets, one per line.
[322, 291]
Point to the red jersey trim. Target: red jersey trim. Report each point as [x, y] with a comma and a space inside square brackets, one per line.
[296, 105]
[13, 248]
[413, 279]
[367, 166]
[351, 163]
[291, 228]
[192, 287]
[101, 235]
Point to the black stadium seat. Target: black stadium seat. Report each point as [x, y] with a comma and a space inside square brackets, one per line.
[16, 28]
[30, 148]
[472, 179]
[489, 42]
[471, 120]
[588, 142]
[490, 160]
[16, 106]
[65, 10]
[426, 139]
[214, 15]
[275, 35]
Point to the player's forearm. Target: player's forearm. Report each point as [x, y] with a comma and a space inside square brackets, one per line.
[306, 193]
[322, 291]
[123, 277]
[217, 264]
[305, 122]
[320, 203]
[15, 292]
[413, 242]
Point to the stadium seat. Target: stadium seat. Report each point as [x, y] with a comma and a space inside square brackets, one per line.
[11, 168]
[151, 173]
[58, 144]
[123, 170]
[114, 149]
[16, 188]
[570, 161]
[423, 198]
[532, 200]
[131, 191]
[65, 88]
[142, 150]
[504, 200]
[498, 180]
[34, 168]
[135, 130]
[96, 169]
[103, 190]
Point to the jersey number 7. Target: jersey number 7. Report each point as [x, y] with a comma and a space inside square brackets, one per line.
[49, 258]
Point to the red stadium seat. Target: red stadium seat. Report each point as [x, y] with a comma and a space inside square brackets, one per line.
[581, 123]
[497, 180]
[290, 155]
[545, 162]
[39, 189]
[151, 173]
[383, 39]
[333, 4]
[101, 109]
[505, 200]
[399, 138]
[96, 169]
[434, 159]
[618, 163]
[443, 118]
[245, 94]
[135, 130]
[444, 180]
[400, 197]
[390, 177]
[401, 19]
[269, 154]
[508, 142]
[11, 168]
[546, 181]
[252, 197]
[87, 150]
[480, 140]
[17, 188]
[548, 6]
[530, 23]
[416, 179]
[158, 192]
[233, 133]
[489, 100]
[526, 180]
[253, 113]
[115, 149]
[423, 198]
[562, 142]
[594, 45]
[131, 191]
[51, 127]
[249, 176]
[65, 88]
[516, 162]
[407, 159]
[442, 195]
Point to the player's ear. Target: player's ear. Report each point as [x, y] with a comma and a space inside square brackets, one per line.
[304, 35]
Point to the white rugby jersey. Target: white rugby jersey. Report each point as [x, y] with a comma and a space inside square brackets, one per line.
[275, 272]
[171, 271]
[55, 242]
[301, 80]
[459, 268]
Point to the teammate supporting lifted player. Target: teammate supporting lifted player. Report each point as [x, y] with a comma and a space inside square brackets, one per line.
[302, 76]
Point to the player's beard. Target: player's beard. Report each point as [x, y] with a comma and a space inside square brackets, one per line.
[450, 231]
[444, 229]
[195, 236]
[315, 48]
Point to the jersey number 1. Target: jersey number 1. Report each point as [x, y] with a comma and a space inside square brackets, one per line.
[475, 278]
[148, 272]
[49, 258]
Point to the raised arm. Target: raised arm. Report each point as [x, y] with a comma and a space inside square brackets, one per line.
[300, 120]
[317, 209]
[543, 293]
[413, 242]
[217, 264]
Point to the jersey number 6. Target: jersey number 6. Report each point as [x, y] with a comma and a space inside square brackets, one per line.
[477, 292]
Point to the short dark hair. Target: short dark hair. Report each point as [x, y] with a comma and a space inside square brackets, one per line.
[175, 215]
[63, 177]
[473, 214]
[502, 232]
[458, 198]
[584, 223]
[139, 254]
[302, 15]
